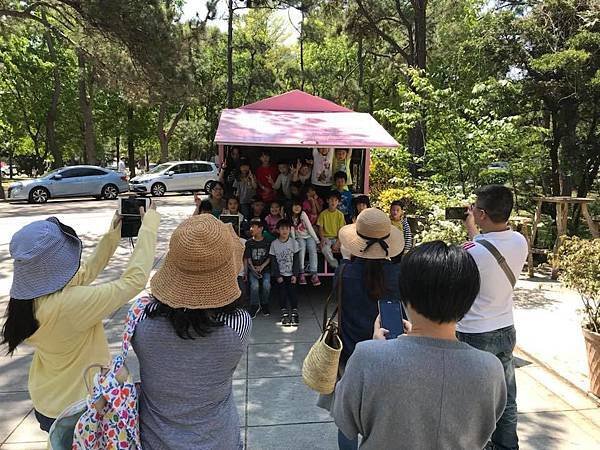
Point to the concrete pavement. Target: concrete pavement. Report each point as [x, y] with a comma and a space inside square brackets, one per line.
[276, 410]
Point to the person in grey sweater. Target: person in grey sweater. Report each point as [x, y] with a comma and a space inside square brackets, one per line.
[424, 390]
[192, 340]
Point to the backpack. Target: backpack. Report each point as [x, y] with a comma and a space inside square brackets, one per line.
[111, 419]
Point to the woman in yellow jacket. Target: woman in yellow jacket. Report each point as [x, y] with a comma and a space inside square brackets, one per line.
[54, 309]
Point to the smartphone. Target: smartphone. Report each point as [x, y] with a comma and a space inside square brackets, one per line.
[130, 206]
[129, 209]
[391, 313]
[457, 213]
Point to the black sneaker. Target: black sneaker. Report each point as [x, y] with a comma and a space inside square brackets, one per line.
[265, 310]
[253, 310]
[295, 319]
[285, 319]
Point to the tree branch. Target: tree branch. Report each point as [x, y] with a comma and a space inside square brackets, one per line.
[178, 116]
[382, 34]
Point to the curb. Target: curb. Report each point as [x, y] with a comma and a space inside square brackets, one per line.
[542, 364]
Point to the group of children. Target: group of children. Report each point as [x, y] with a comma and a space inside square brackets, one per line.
[302, 217]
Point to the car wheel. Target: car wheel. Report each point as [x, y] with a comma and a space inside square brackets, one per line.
[158, 189]
[110, 192]
[39, 195]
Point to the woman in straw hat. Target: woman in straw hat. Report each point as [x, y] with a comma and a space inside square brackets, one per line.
[54, 309]
[367, 277]
[192, 340]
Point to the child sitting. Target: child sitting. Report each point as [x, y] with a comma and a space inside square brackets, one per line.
[245, 187]
[398, 219]
[321, 171]
[301, 173]
[233, 208]
[284, 269]
[345, 205]
[283, 181]
[265, 178]
[256, 260]
[330, 221]
[361, 203]
[341, 163]
[273, 218]
[313, 205]
[307, 239]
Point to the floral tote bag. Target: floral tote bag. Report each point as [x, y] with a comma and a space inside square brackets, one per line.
[111, 419]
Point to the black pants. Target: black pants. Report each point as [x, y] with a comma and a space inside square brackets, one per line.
[286, 293]
[45, 422]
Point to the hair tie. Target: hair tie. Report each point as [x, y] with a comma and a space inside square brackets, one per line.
[371, 240]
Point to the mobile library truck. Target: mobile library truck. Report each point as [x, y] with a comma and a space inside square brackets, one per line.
[294, 123]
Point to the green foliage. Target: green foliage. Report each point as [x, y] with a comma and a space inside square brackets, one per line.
[437, 228]
[494, 176]
[580, 263]
[419, 200]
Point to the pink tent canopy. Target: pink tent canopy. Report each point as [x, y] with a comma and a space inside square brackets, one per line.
[298, 119]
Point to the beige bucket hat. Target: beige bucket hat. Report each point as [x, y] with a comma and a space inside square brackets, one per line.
[372, 236]
[201, 268]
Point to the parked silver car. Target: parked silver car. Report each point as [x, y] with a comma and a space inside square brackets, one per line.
[175, 176]
[72, 181]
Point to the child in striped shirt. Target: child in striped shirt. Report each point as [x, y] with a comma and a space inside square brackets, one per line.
[398, 219]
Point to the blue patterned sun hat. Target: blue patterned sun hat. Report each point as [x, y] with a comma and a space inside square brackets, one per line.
[46, 255]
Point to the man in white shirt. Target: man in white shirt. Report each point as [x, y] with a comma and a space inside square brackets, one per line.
[489, 324]
[121, 166]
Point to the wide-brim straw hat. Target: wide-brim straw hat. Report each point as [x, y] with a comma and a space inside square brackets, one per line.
[201, 267]
[372, 236]
[47, 255]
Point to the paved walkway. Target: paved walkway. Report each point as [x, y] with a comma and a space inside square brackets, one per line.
[278, 412]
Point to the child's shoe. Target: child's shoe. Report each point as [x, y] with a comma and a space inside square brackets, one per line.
[285, 318]
[315, 280]
[295, 319]
[265, 310]
[302, 279]
[253, 310]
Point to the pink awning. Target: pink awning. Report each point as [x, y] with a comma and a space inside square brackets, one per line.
[301, 129]
[296, 101]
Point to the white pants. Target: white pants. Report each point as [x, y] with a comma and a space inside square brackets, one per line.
[328, 253]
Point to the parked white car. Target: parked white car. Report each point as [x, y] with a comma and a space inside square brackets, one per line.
[175, 176]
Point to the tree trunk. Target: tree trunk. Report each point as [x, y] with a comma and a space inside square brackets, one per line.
[301, 39]
[569, 118]
[118, 148]
[165, 136]
[417, 136]
[229, 56]
[130, 142]
[85, 104]
[52, 113]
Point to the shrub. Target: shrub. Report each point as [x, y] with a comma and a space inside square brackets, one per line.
[451, 232]
[580, 263]
[493, 176]
[418, 201]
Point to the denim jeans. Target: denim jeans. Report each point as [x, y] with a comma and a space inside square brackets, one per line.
[45, 422]
[260, 288]
[346, 444]
[286, 293]
[501, 343]
[310, 245]
[328, 252]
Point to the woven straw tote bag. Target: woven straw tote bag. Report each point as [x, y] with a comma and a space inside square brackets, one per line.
[320, 367]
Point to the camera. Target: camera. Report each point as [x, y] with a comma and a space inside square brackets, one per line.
[129, 209]
[457, 213]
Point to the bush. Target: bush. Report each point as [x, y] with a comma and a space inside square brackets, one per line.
[580, 263]
[451, 232]
[418, 201]
[493, 176]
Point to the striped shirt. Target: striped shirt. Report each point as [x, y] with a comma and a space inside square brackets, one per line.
[403, 226]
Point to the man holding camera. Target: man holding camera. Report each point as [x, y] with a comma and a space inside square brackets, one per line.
[500, 254]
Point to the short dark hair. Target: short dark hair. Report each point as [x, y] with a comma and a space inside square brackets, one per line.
[335, 194]
[364, 199]
[265, 152]
[258, 222]
[257, 200]
[439, 281]
[205, 206]
[400, 203]
[244, 162]
[339, 174]
[233, 197]
[496, 200]
[284, 223]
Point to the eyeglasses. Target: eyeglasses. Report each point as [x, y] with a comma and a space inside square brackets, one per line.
[474, 206]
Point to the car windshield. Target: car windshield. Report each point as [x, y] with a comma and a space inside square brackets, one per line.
[160, 168]
[52, 172]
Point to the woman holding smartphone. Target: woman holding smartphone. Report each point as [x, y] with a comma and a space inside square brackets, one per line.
[54, 309]
[369, 276]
